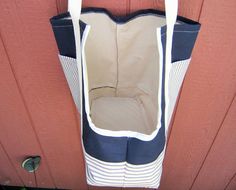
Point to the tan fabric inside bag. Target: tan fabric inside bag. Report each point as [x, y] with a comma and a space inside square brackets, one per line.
[123, 72]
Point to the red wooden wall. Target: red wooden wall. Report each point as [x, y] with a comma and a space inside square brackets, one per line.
[38, 117]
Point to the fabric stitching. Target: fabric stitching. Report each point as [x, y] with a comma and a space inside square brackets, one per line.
[62, 26]
[194, 31]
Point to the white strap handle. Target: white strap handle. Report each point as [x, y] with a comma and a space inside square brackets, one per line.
[74, 7]
[171, 7]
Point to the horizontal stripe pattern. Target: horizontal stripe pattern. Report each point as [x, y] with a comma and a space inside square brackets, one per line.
[123, 174]
[69, 66]
[176, 77]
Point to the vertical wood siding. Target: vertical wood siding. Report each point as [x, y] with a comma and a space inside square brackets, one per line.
[221, 157]
[29, 42]
[8, 174]
[17, 135]
[232, 183]
[38, 117]
[207, 94]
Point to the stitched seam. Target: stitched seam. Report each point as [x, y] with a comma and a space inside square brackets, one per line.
[62, 26]
[194, 31]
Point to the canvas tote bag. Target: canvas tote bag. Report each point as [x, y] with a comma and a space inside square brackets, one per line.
[124, 73]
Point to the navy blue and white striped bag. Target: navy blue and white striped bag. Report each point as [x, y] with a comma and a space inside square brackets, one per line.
[124, 73]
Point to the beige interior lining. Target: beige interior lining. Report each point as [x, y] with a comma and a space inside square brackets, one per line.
[123, 73]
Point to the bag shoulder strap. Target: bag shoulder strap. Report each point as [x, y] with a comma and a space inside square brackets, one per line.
[74, 7]
[171, 7]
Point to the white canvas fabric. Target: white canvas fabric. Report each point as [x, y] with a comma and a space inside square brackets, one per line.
[177, 73]
[130, 85]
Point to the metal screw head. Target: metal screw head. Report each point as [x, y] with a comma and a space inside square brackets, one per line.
[31, 163]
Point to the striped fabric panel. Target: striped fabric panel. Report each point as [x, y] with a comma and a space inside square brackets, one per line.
[69, 66]
[176, 77]
[123, 174]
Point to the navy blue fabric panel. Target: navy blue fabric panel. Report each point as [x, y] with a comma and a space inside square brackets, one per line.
[65, 40]
[143, 152]
[183, 43]
[64, 34]
[109, 149]
[184, 38]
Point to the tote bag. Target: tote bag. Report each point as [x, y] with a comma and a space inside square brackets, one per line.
[124, 73]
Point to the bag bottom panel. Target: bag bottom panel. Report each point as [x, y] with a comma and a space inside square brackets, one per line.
[120, 113]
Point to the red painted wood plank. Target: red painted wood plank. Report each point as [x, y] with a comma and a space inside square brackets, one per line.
[116, 7]
[146, 4]
[207, 93]
[8, 174]
[188, 8]
[232, 183]
[62, 6]
[30, 43]
[220, 164]
[17, 135]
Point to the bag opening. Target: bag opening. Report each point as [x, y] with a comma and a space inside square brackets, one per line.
[123, 72]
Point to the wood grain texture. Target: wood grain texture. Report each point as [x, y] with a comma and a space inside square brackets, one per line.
[190, 8]
[146, 4]
[232, 183]
[17, 135]
[187, 8]
[207, 93]
[220, 164]
[116, 7]
[62, 6]
[120, 7]
[8, 174]
[32, 51]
